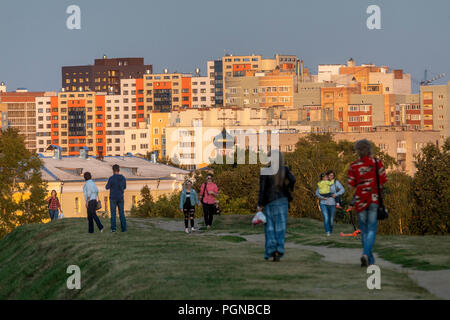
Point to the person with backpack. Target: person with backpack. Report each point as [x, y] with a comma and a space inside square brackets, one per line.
[328, 203]
[54, 207]
[188, 200]
[208, 194]
[367, 176]
[274, 196]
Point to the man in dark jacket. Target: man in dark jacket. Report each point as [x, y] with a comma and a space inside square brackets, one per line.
[117, 184]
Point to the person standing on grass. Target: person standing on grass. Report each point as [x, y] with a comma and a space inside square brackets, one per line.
[362, 176]
[188, 200]
[53, 206]
[208, 195]
[328, 203]
[274, 197]
[90, 191]
[117, 185]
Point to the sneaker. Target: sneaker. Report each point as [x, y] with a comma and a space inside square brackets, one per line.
[276, 256]
[328, 234]
[364, 261]
[186, 230]
[102, 230]
[208, 227]
[192, 229]
[112, 231]
[338, 206]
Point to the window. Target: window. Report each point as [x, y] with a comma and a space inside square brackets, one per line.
[156, 142]
[77, 205]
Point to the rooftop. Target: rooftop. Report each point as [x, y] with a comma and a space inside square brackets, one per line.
[132, 168]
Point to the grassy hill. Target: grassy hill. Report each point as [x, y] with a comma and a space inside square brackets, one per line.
[150, 263]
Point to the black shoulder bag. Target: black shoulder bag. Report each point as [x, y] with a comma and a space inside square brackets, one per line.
[382, 212]
[204, 190]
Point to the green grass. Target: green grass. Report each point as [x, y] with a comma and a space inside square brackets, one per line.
[416, 252]
[150, 263]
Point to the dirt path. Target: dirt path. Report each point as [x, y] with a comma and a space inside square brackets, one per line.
[436, 282]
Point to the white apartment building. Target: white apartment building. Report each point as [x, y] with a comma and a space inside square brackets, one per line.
[43, 124]
[202, 92]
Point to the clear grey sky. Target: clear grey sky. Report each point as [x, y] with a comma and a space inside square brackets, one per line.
[182, 35]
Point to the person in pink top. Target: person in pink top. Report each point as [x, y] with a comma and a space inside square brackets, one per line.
[208, 195]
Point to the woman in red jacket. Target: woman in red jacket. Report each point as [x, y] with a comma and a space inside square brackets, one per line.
[53, 206]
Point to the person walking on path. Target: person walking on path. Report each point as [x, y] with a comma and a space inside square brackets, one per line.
[274, 196]
[208, 194]
[53, 206]
[117, 185]
[90, 191]
[188, 200]
[328, 203]
[362, 176]
[337, 188]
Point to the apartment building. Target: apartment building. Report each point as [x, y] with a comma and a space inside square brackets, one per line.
[104, 75]
[166, 91]
[78, 120]
[202, 92]
[435, 109]
[43, 123]
[373, 79]
[158, 122]
[261, 89]
[191, 134]
[138, 141]
[20, 106]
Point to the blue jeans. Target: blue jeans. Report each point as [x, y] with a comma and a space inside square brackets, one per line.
[368, 223]
[328, 213]
[276, 213]
[123, 222]
[53, 214]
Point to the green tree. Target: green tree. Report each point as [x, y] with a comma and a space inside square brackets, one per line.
[431, 188]
[22, 191]
[398, 199]
[145, 204]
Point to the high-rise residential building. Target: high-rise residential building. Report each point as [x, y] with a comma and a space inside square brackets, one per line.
[21, 109]
[262, 89]
[77, 121]
[202, 92]
[104, 75]
[43, 123]
[435, 109]
[215, 73]
[164, 92]
[373, 79]
[240, 66]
